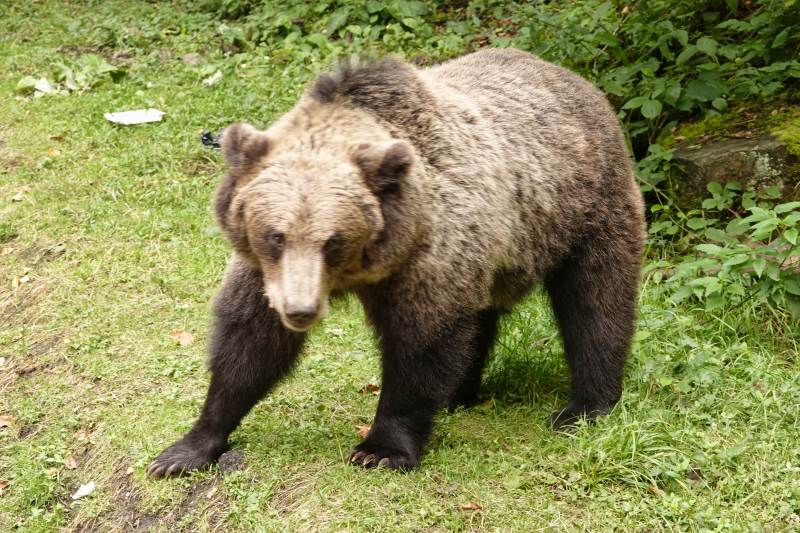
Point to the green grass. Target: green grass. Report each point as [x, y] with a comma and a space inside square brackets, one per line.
[113, 248]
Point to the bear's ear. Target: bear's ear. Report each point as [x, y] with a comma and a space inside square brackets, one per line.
[243, 146]
[384, 165]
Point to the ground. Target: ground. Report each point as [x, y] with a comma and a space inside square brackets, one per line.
[108, 259]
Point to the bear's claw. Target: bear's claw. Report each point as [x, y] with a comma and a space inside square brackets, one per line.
[364, 455]
[180, 459]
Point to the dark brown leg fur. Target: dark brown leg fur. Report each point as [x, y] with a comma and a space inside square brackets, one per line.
[593, 296]
[419, 377]
[467, 394]
[250, 351]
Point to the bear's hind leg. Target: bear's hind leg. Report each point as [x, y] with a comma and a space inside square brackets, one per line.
[467, 394]
[593, 297]
[250, 351]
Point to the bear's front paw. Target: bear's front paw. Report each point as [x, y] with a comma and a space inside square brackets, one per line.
[184, 456]
[372, 454]
[573, 412]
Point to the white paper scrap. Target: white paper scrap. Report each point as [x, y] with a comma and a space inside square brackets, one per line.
[44, 86]
[137, 116]
[213, 79]
[84, 490]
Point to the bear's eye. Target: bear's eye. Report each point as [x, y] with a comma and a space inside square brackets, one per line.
[275, 242]
[277, 239]
[334, 250]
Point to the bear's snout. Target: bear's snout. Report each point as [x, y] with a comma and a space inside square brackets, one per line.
[302, 317]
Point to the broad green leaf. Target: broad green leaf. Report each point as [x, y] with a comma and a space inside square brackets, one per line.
[792, 286]
[672, 93]
[651, 109]
[709, 248]
[780, 39]
[737, 259]
[759, 265]
[337, 20]
[791, 219]
[707, 45]
[791, 235]
[635, 102]
[697, 223]
[682, 36]
[373, 6]
[793, 304]
[736, 227]
[687, 53]
[716, 234]
[702, 91]
[789, 206]
[714, 188]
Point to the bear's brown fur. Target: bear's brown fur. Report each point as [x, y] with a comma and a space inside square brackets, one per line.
[440, 197]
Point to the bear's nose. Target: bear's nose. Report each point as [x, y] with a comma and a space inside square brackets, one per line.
[301, 315]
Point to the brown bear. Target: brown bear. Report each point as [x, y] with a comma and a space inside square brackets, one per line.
[440, 197]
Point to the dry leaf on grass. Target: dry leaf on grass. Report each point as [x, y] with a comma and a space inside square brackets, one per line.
[362, 431]
[471, 506]
[71, 463]
[184, 338]
[3, 485]
[25, 370]
[6, 421]
[371, 387]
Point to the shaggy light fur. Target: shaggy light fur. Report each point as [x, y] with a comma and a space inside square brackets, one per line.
[440, 197]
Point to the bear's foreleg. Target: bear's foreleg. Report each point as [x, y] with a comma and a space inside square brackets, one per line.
[420, 376]
[250, 351]
[593, 297]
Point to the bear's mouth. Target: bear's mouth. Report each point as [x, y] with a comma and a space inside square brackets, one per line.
[300, 323]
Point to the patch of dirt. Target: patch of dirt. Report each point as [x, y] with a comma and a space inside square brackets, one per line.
[14, 303]
[9, 161]
[201, 165]
[27, 430]
[43, 346]
[41, 252]
[127, 513]
[75, 50]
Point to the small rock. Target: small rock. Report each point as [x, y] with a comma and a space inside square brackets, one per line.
[231, 461]
[758, 162]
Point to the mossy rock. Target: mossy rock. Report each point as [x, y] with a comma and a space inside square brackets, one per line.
[758, 163]
[756, 146]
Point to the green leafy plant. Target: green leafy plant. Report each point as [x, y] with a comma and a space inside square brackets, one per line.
[740, 247]
[660, 61]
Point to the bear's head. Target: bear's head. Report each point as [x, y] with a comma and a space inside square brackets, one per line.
[307, 219]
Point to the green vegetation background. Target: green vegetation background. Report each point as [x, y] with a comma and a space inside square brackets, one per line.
[108, 253]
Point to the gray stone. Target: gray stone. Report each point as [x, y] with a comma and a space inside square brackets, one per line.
[231, 461]
[760, 162]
